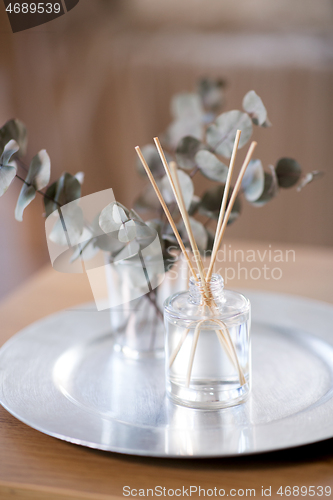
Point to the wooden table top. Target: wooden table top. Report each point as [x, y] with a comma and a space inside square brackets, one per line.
[35, 466]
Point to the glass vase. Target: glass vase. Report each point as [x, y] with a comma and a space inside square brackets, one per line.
[137, 322]
[207, 346]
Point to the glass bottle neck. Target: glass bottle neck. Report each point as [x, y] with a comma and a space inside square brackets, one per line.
[215, 289]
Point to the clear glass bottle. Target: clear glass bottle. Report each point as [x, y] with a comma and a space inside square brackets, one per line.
[207, 346]
[137, 316]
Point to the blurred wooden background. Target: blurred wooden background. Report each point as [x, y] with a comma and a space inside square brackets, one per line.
[98, 81]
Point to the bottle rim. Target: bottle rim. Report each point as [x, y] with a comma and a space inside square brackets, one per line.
[171, 313]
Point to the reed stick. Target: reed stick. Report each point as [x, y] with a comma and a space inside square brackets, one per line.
[226, 188]
[208, 298]
[193, 349]
[166, 210]
[230, 349]
[223, 333]
[179, 346]
[186, 219]
[209, 301]
[223, 341]
[181, 205]
[230, 205]
[233, 359]
[225, 346]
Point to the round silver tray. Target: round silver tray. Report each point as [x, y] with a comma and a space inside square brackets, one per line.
[62, 377]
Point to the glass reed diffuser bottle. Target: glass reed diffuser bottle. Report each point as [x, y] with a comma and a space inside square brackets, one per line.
[207, 328]
[208, 346]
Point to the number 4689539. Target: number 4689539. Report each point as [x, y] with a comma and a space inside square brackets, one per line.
[33, 8]
[304, 491]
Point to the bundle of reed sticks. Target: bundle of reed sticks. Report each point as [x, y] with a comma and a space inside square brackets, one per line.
[199, 273]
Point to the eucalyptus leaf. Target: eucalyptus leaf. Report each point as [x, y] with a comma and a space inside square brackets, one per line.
[127, 231]
[170, 239]
[195, 203]
[80, 177]
[7, 169]
[111, 217]
[199, 233]
[221, 134]
[116, 220]
[187, 110]
[186, 186]
[153, 160]
[167, 237]
[210, 166]
[266, 124]
[235, 212]
[40, 170]
[134, 215]
[7, 175]
[275, 184]
[68, 228]
[168, 258]
[211, 203]
[253, 181]
[14, 130]
[85, 248]
[186, 106]
[109, 243]
[211, 93]
[309, 177]
[148, 200]
[182, 128]
[288, 172]
[270, 188]
[186, 150]
[145, 235]
[118, 214]
[37, 178]
[210, 240]
[254, 106]
[63, 191]
[9, 150]
[27, 194]
[155, 224]
[94, 226]
[130, 250]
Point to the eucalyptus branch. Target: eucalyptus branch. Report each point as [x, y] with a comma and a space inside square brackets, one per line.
[154, 303]
[39, 192]
[194, 171]
[193, 142]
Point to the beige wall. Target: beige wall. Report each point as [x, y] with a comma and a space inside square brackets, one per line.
[92, 86]
[263, 15]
